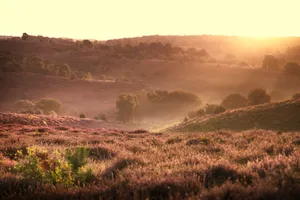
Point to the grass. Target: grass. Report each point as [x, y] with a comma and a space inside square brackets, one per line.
[253, 164]
[280, 116]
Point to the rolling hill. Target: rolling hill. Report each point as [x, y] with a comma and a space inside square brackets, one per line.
[280, 116]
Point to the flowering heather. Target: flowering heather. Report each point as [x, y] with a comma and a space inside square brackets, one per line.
[114, 164]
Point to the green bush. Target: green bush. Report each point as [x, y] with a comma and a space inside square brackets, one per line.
[43, 166]
[47, 105]
[40, 166]
[126, 105]
[234, 101]
[258, 96]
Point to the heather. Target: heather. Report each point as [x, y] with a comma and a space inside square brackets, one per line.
[99, 163]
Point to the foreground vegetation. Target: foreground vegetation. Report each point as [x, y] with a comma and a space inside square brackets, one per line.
[63, 162]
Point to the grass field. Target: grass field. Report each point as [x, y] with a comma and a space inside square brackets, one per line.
[253, 164]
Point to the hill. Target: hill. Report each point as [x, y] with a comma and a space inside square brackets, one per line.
[280, 116]
[89, 97]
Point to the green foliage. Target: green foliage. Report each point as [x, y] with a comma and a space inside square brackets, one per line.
[258, 96]
[77, 158]
[82, 115]
[39, 165]
[48, 104]
[234, 101]
[126, 105]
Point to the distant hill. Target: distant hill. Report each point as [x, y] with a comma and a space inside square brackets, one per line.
[281, 116]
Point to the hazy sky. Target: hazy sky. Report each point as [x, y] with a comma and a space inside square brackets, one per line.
[105, 19]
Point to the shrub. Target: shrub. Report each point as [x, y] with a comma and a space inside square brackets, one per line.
[39, 165]
[258, 96]
[214, 109]
[126, 105]
[43, 166]
[82, 115]
[77, 158]
[296, 96]
[234, 101]
[47, 105]
[24, 106]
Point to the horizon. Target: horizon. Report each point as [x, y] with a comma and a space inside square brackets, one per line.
[136, 19]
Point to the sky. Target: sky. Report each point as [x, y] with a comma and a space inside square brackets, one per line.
[108, 19]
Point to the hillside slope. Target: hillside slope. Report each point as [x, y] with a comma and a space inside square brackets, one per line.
[90, 97]
[280, 116]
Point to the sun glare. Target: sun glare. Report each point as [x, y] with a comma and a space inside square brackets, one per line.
[116, 18]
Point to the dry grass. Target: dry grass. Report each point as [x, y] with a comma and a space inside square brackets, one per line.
[254, 164]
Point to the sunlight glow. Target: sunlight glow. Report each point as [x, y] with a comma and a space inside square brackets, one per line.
[96, 19]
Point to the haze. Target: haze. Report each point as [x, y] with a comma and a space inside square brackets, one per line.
[116, 19]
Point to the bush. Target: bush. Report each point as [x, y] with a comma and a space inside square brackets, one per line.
[258, 96]
[234, 101]
[39, 165]
[214, 109]
[47, 105]
[82, 115]
[43, 166]
[126, 105]
[24, 106]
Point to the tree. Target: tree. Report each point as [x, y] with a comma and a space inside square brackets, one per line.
[25, 36]
[270, 62]
[292, 68]
[87, 43]
[234, 101]
[258, 96]
[126, 105]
